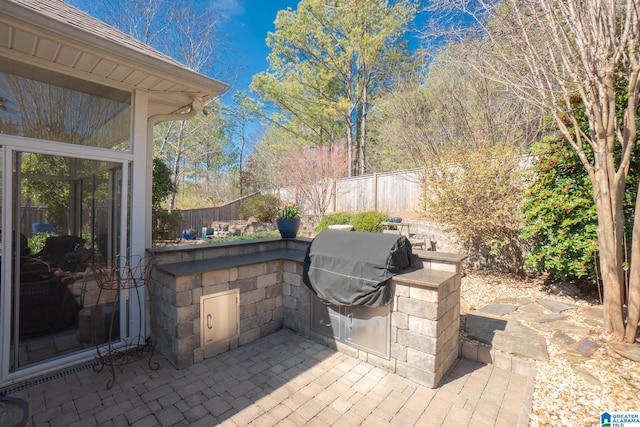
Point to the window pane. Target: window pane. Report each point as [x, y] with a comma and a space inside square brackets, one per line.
[42, 104]
[69, 216]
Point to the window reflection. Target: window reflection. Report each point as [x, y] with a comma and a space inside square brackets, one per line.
[69, 215]
[41, 104]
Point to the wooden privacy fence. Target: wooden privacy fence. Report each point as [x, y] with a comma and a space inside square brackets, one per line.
[387, 192]
[197, 218]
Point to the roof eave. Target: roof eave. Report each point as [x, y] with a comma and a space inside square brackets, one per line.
[127, 55]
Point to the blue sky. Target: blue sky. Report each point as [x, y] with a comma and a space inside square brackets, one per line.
[244, 33]
[246, 30]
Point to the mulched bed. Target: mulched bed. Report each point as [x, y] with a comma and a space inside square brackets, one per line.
[570, 390]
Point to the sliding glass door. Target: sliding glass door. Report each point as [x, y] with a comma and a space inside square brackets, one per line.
[66, 161]
[67, 214]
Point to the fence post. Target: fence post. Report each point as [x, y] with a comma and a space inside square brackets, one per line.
[375, 191]
[334, 191]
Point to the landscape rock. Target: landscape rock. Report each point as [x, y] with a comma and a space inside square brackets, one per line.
[533, 308]
[565, 288]
[593, 316]
[509, 336]
[557, 306]
[584, 347]
[538, 318]
[498, 309]
[563, 338]
[630, 351]
[585, 375]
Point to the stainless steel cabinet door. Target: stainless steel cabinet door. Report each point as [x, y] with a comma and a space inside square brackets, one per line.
[368, 329]
[325, 318]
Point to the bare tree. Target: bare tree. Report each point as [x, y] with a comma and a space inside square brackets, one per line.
[451, 105]
[467, 136]
[185, 30]
[312, 172]
[552, 53]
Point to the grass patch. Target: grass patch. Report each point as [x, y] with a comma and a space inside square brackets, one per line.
[258, 235]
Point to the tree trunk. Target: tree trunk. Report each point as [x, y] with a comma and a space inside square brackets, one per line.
[633, 305]
[240, 179]
[608, 242]
[363, 130]
[349, 149]
[176, 163]
[349, 123]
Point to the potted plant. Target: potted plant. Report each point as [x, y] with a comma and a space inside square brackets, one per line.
[288, 221]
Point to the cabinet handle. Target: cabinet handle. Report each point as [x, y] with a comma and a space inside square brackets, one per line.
[209, 318]
[323, 323]
[350, 317]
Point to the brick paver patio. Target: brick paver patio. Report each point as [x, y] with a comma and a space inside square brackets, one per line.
[282, 379]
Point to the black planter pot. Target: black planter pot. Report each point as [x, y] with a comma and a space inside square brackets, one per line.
[288, 228]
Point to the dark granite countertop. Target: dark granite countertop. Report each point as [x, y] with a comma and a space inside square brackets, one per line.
[190, 267]
[440, 256]
[423, 277]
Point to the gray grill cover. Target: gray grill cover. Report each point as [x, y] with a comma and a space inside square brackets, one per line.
[354, 268]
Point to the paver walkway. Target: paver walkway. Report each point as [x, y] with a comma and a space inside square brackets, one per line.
[283, 379]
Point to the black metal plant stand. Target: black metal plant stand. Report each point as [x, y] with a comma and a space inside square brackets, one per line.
[124, 277]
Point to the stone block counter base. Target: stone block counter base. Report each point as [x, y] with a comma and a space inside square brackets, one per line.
[425, 315]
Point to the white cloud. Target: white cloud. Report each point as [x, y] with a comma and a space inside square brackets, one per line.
[228, 7]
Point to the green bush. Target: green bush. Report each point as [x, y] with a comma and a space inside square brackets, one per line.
[264, 207]
[368, 221]
[559, 215]
[36, 243]
[166, 225]
[362, 221]
[560, 218]
[333, 219]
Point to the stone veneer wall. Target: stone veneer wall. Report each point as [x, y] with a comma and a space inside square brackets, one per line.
[184, 275]
[424, 330]
[424, 320]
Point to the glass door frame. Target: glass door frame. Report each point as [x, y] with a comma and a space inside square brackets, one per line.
[10, 145]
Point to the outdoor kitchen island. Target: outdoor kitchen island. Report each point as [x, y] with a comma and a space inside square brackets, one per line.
[211, 298]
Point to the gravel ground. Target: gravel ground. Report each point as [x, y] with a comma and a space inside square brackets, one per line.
[567, 393]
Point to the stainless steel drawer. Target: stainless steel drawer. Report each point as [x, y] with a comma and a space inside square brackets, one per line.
[364, 328]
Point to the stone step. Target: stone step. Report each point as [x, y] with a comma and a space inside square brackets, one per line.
[484, 353]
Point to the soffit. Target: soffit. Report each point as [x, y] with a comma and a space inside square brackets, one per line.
[57, 36]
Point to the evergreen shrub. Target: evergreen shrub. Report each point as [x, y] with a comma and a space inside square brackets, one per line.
[362, 221]
[368, 221]
[264, 207]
